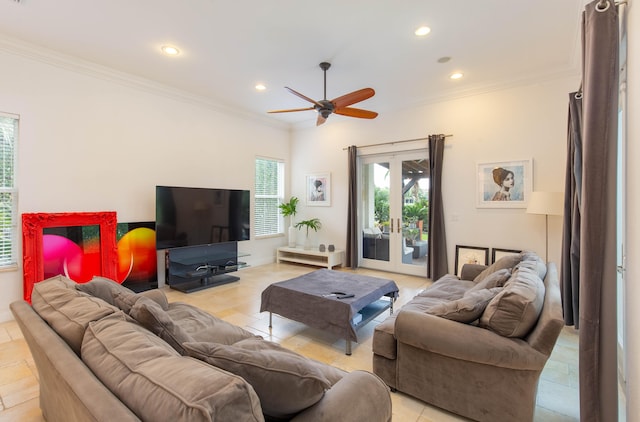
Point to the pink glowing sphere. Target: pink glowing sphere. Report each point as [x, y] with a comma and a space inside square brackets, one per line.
[61, 256]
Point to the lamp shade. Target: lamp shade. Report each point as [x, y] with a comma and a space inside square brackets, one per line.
[548, 203]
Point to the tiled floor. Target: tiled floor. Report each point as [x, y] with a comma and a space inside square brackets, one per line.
[239, 303]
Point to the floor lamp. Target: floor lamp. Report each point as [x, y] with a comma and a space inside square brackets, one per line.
[547, 203]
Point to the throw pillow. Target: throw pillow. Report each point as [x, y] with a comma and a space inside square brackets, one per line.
[67, 310]
[285, 381]
[507, 261]
[496, 279]
[105, 288]
[466, 309]
[152, 317]
[202, 326]
[534, 262]
[515, 310]
[158, 384]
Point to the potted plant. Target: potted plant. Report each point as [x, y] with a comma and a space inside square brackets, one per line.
[314, 224]
[290, 209]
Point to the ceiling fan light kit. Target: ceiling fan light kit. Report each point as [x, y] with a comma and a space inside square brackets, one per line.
[339, 105]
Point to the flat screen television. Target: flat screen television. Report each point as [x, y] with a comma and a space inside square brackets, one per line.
[200, 216]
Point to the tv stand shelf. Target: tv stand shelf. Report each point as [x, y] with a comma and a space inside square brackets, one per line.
[204, 283]
[194, 268]
[310, 256]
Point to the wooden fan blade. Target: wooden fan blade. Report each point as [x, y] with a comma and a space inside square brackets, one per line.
[290, 110]
[320, 120]
[296, 93]
[353, 97]
[356, 112]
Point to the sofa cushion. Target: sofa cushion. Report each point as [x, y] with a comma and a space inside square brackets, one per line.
[156, 383]
[506, 262]
[466, 309]
[515, 310]
[384, 339]
[447, 287]
[119, 296]
[155, 319]
[104, 288]
[495, 279]
[202, 326]
[67, 310]
[285, 381]
[535, 263]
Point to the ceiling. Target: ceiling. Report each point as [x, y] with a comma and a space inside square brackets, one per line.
[228, 47]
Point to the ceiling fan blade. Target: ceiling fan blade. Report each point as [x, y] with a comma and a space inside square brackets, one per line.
[356, 112]
[296, 93]
[290, 110]
[320, 120]
[353, 97]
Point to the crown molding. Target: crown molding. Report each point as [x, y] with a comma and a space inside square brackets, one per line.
[74, 64]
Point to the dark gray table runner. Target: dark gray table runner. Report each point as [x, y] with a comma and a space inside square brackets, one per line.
[303, 299]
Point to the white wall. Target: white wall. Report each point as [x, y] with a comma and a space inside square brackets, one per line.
[510, 124]
[90, 144]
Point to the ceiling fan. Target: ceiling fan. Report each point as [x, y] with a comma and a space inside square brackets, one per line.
[338, 105]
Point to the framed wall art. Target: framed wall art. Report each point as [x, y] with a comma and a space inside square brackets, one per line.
[137, 256]
[497, 253]
[470, 255]
[503, 184]
[319, 190]
[78, 245]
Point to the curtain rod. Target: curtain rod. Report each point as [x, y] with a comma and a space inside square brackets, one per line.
[394, 142]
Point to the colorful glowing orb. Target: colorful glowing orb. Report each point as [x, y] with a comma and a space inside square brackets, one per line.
[63, 256]
[137, 255]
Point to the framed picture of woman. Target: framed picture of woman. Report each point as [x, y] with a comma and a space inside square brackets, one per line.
[504, 184]
[319, 190]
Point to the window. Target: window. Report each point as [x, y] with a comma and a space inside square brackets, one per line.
[8, 190]
[269, 193]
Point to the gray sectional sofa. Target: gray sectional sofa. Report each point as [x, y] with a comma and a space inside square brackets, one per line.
[475, 345]
[104, 353]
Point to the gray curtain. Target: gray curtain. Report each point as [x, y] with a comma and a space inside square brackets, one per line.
[437, 243]
[593, 204]
[351, 252]
[571, 227]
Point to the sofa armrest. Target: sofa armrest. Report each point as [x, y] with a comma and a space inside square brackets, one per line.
[69, 391]
[470, 271]
[358, 396]
[465, 342]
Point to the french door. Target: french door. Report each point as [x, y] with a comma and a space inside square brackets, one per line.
[393, 212]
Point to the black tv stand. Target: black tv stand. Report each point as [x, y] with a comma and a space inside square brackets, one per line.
[194, 268]
[204, 283]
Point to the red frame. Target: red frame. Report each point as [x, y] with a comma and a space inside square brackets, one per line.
[32, 225]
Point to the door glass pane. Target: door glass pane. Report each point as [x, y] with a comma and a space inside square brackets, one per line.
[375, 211]
[415, 205]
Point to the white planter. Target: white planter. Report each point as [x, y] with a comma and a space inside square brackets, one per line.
[292, 237]
[307, 243]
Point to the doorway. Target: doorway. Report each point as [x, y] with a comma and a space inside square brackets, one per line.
[393, 212]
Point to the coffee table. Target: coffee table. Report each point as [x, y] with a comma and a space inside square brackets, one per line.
[314, 300]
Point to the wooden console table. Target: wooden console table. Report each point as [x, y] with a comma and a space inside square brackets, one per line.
[310, 256]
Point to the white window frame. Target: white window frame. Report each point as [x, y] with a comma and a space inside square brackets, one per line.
[9, 261]
[278, 230]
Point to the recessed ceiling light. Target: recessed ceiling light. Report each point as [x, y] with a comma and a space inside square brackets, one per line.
[456, 75]
[422, 31]
[170, 50]
[260, 87]
[444, 59]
